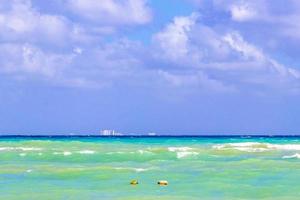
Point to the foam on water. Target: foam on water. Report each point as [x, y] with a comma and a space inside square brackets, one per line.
[65, 153]
[176, 149]
[140, 151]
[86, 152]
[186, 154]
[20, 148]
[182, 152]
[297, 155]
[132, 169]
[256, 147]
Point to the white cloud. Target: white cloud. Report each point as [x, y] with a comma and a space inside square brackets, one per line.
[21, 22]
[112, 12]
[281, 17]
[186, 53]
[224, 58]
[197, 79]
[174, 43]
[242, 12]
[77, 50]
[247, 50]
[30, 59]
[26, 62]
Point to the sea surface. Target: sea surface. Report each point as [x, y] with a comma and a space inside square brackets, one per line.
[79, 168]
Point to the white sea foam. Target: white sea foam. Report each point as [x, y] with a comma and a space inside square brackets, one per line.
[132, 169]
[6, 148]
[65, 153]
[297, 155]
[140, 169]
[287, 146]
[129, 152]
[182, 152]
[20, 148]
[115, 152]
[144, 152]
[256, 146]
[29, 170]
[247, 146]
[186, 154]
[179, 149]
[28, 148]
[141, 151]
[22, 154]
[86, 152]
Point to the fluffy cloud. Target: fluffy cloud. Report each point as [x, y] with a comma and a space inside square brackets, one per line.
[225, 58]
[29, 43]
[189, 52]
[174, 41]
[55, 48]
[20, 22]
[242, 12]
[28, 62]
[112, 12]
[282, 16]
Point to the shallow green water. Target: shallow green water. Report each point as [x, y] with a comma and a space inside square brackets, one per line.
[196, 168]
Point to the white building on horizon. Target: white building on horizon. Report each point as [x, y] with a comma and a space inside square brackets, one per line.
[108, 132]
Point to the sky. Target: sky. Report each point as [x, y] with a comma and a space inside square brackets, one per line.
[140, 66]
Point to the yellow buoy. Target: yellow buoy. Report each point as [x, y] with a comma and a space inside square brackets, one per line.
[134, 182]
[162, 182]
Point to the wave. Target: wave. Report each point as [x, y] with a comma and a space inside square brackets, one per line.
[130, 152]
[65, 153]
[28, 148]
[186, 154]
[86, 152]
[20, 148]
[144, 152]
[115, 152]
[133, 169]
[182, 152]
[256, 146]
[176, 149]
[297, 155]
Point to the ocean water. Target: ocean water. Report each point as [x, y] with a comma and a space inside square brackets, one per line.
[196, 168]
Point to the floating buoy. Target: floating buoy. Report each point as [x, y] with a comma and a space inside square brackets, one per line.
[162, 182]
[134, 182]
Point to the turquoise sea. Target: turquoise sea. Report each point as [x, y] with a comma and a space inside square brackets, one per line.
[81, 168]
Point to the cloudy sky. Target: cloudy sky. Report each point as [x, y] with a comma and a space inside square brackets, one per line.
[171, 66]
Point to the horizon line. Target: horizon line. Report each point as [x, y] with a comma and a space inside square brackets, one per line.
[146, 135]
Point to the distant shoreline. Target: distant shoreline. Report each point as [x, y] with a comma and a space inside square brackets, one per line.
[150, 136]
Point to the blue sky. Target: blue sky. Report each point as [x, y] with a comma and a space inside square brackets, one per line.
[139, 66]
